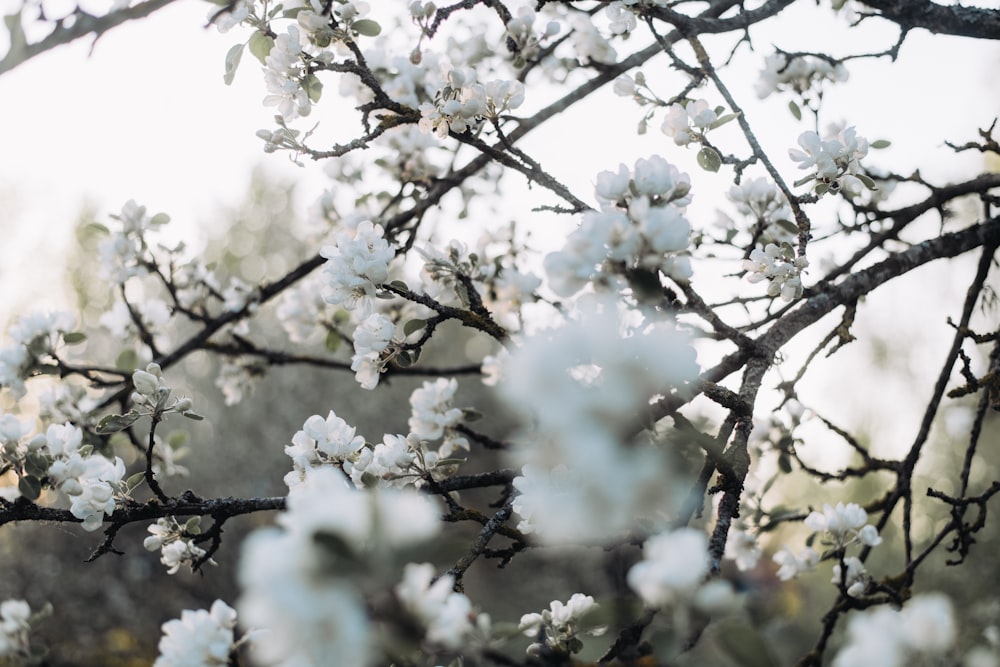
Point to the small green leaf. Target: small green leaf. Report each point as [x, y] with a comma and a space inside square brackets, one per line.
[194, 416]
[788, 226]
[709, 160]
[97, 228]
[403, 359]
[880, 143]
[869, 183]
[413, 325]
[821, 189]
[233, 57]
[794, 108]
[36, 464]
[128, 360]
[333, 341]
[30, 487]
[313, 87]
[399, 285]
[74, 337]
[744, 645]
[260, 46]
[193, 525]
[114, 423]
[366, 27]
[135, 480]
[722, 120]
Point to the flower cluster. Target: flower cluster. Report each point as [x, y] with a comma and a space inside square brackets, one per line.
[559, 627]
[374, 347]
[34, 338]
[199, 638]
[446, 616]
[283, 76]
[433, 416]
[123, 254]
[463, 103]
[330, 441]
[835, 160]
[673, 568]
[15, 625]
[59, 460]
[528, 44]
[356, 266]
[791, 565]
[779, 266]
[585, 383]
[799, 74]
[686, 123]
[885, 636]
[294, 578]
[152, 395]
[762, 201]
[641, 227]
[175, 542]
[844, 524]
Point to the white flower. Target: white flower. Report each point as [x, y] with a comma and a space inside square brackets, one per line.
[674, 565]
[198, 638]
[356, 266]
[372, 351]
[799, 74]
[561, 623]
[433, 417]
[791, 565]
[446, 615]
[856, 578]
[14, 628]
[836, 159]
[884, 636]
[780, 267]
[844, 523]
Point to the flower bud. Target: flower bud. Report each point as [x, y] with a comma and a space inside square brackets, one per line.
[145, 383]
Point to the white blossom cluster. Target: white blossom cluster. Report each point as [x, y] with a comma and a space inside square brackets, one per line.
[559, 627]
[585, 383]
[199, 638]
[356, 266]
[374, 347]
[434, 418]
[123, 253]
[883, 636]
[58, 459]
[799, 74]
[175, 542]
[15, 627]
[294, 578]
[447, 616]
[283, 76]
[673, 572]
[641, 226]
[33, 337]
[330, 441]
[462, 103]
[521, 29]
[760, 200]
[780, 267]
[835, 160]
[684, 123]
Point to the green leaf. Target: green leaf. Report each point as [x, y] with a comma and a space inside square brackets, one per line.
[260, 45]
[366, 27]
[313, 87]
[114, 423]
[869, 183]
[30, 487]
[36, 464]
[413, 325]
[788, 226]
[333, 341]
[722, 120]
[403, 359]
[128, 360]
[463, 294]
[821, 189]
[471, 415]
[399, 285]
[135, 480]
[194, 416]
[97, 228]
[709, 160]
[233, 57]
[880, 143]
[193, 525]
[744, 645]
[794, 108]
[74, 337]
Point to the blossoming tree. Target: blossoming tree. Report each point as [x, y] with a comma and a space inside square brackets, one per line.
[659, 414]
